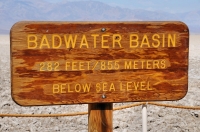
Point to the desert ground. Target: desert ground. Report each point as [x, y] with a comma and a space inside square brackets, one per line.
[160, 119]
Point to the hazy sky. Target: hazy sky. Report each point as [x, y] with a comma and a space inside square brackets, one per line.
[173, 6]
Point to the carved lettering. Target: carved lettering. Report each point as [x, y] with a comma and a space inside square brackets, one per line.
[105, 41]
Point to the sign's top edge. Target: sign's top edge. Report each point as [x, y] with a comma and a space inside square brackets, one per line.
[99, 22]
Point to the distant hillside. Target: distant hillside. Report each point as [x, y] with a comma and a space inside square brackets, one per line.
[12, 11]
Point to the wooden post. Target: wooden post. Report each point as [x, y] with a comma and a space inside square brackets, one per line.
[100, 117]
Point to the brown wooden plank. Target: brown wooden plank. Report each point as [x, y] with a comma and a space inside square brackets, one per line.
[79, 62]
[100, 117]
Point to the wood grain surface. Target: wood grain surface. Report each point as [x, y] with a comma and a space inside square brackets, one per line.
[100, 117]
[98, 62]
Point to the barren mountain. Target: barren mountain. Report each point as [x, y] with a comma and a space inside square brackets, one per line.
[12, 11]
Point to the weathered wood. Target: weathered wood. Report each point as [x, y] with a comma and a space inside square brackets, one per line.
[79, 62]
[100, 117]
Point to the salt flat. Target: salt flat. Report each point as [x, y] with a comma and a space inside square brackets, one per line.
[194, 46]
[4, 39]
[127, 120]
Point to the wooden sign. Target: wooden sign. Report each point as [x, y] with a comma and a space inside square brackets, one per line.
[98, 62]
